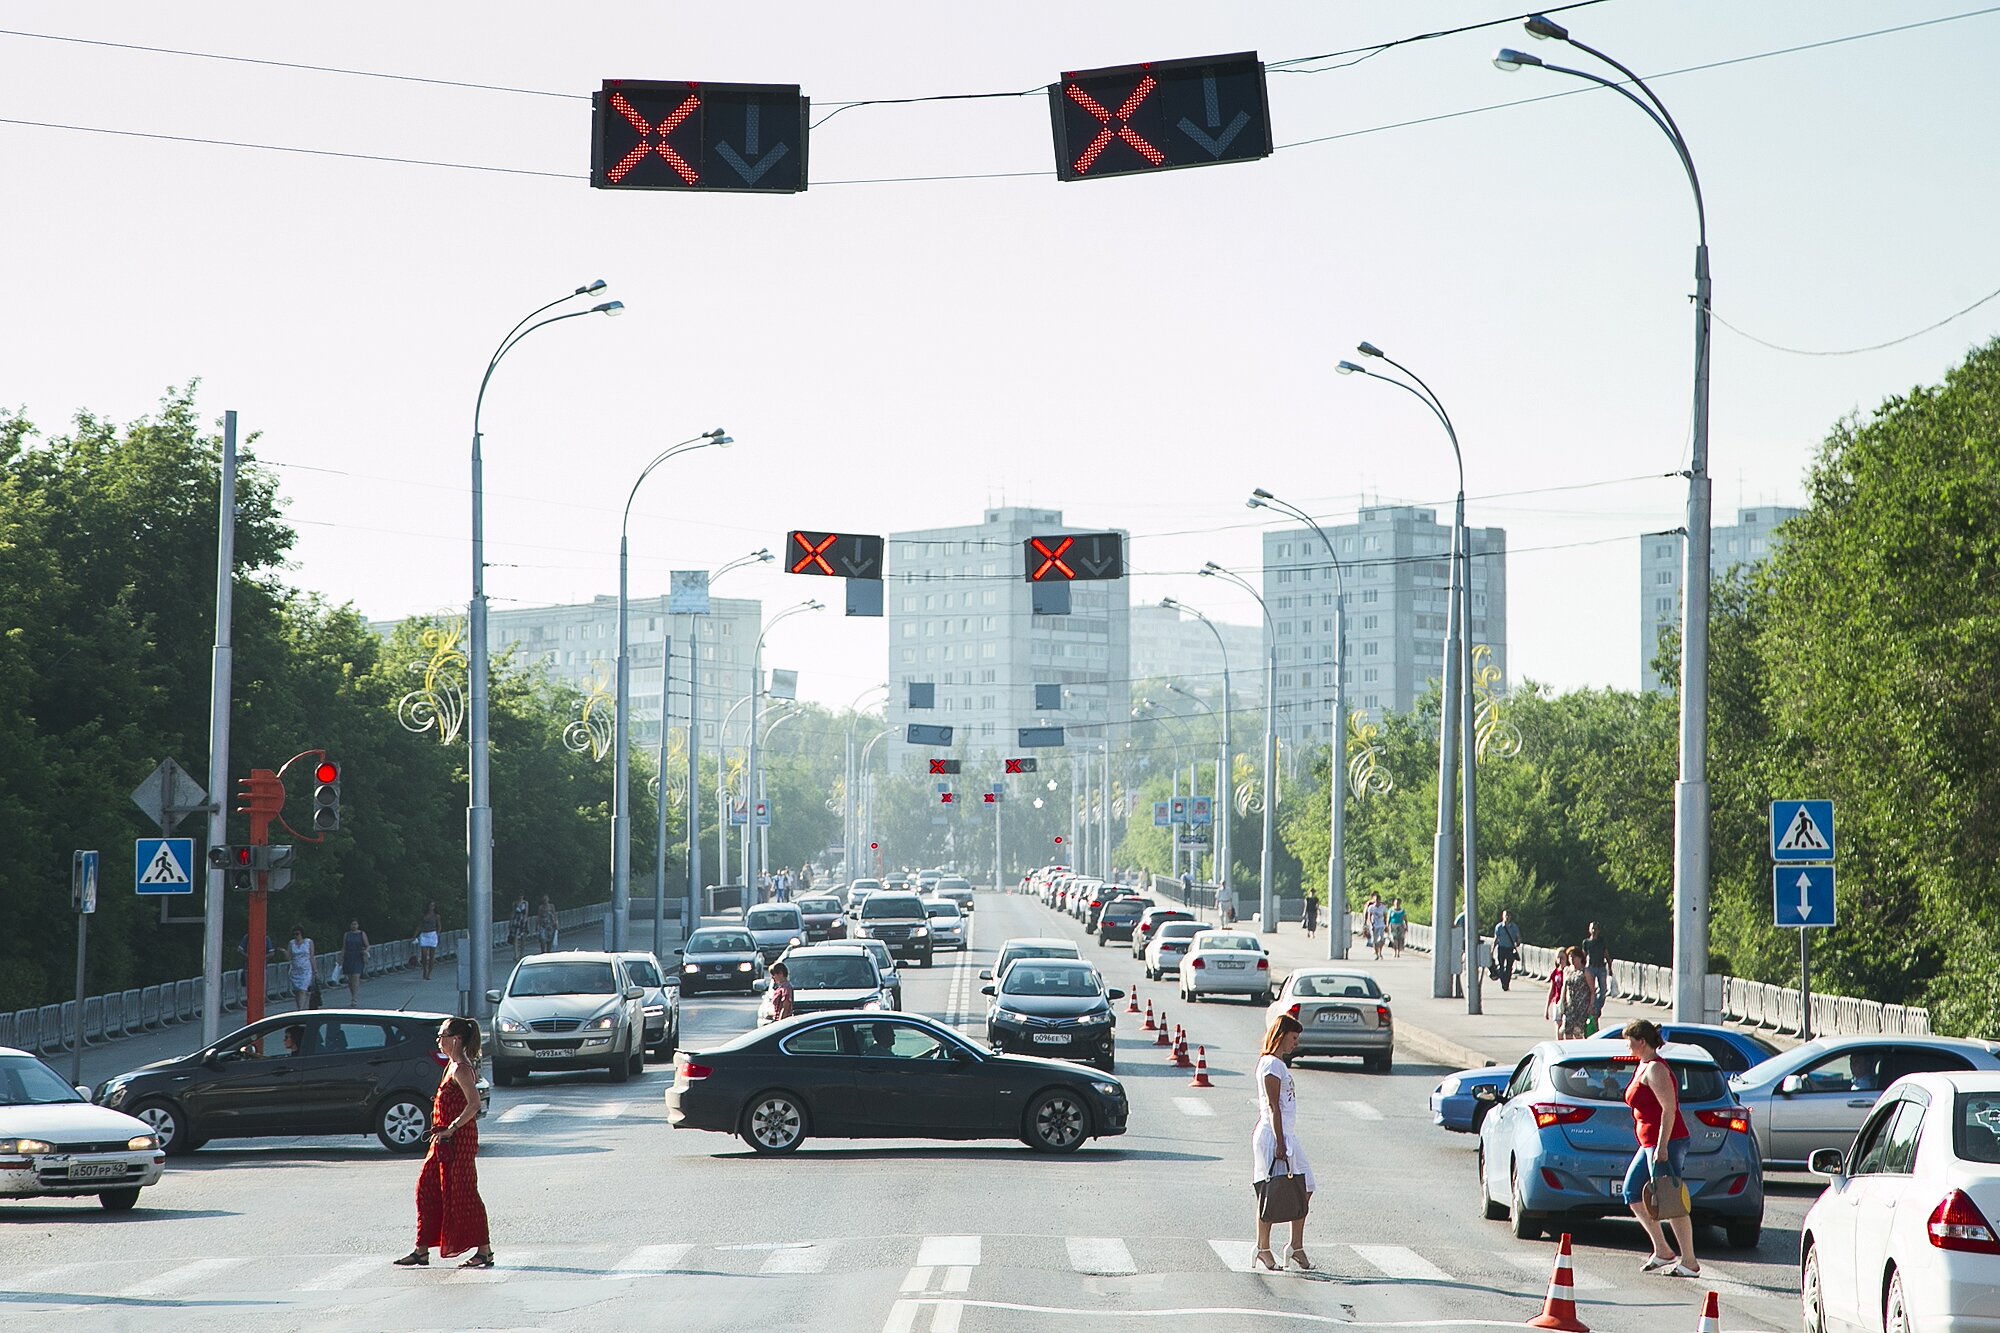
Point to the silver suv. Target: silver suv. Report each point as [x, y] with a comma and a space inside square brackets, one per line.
[569, 1011]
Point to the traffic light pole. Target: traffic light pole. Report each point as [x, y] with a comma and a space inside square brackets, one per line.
[264, 796]
[221, 664]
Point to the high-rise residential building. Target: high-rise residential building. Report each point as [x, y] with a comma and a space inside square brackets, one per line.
[1747, 542]
[1396, 563]
[577, 645]
[961, 622]
[1169, 644]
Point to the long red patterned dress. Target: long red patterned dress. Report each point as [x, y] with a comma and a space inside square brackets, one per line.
[450, 1214]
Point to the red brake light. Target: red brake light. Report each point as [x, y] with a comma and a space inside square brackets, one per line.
[692, 1071]
[1957, 1224]
[1732, 1118]
[1197, 963]
[1293, 1011]
[1263, 964]
[1382, 1014]
[1555, 1113]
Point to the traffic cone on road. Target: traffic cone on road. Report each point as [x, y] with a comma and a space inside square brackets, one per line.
[1149, 1024]
[1164, 1039]
[1181, 1060]
[1132, 1005]
[1559, 1309]
[1200, 1079]
[1711, 1316]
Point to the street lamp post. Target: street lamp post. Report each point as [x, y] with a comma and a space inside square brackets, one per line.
[1336, 852]
[479, 802]
[1264, 861]
[1691, 798]
[1148, 707]
[763, 829]
[1455, 703]
[847, 804]
[868, 806]
[621, 764]
[750, 864]
[1224, 848]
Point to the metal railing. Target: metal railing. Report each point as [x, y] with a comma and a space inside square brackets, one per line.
[53, 1029]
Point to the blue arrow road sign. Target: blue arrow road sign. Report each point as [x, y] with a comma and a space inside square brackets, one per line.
[1802, 830]
[1802, 895]
[163, 865]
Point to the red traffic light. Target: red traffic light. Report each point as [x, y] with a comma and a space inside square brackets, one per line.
[944, 797]
[1058, 839]
[328, 771]
[242, 855]
[990, 798]
[874, 846]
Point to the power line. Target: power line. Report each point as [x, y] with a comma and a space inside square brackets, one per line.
[1854, 351]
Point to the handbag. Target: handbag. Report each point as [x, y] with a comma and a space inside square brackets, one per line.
[1281, 1198]
[1667, 1196]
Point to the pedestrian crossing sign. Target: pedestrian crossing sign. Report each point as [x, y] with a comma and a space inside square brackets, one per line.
[1802, 831]
[163, 865]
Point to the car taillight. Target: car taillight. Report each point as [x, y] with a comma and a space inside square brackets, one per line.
[1957, 1224]
[1263, 964]
[1293, 1011]
[692, 1071]
[1735, 1119]
[1555, 1113]
[1197, 964]
[1382, 1014]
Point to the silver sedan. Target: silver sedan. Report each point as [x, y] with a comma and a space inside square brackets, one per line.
[1341, 1011]
[1816, 1095]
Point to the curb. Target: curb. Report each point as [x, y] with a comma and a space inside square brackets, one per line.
[1442, 1050]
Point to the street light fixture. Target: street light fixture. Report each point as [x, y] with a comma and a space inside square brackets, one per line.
[479, 800]
[1149, 711]
[621, 781]
[1691, 796]
[751, 784]
[1267, 904]
[761, 556]
[1224, 851]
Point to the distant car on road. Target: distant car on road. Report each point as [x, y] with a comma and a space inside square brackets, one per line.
[1053, 1007]
[720, 958]
[953, 888]
[895, 1076]
[660, 1005]
[1341, 1011]
[1734, 1051]
[1117, 918]
[1460, 1101]
[1170, 943]
[1903, 1237]
[1816, 1095]
[1028, 946]
[898, 920]
[834, 976]
[947, 924]
[775, 927]
[824, 917]
[858, 891]
[55, 1143]
[1150, 920]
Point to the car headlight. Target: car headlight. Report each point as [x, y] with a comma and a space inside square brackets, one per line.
[920, 932]
[692, 967]
[511, 1025]
[743, 967]
[794, 940]
[24, 1147]
[141, 1143]
[1090, 1019]
[604, 1024]
[1106, 1088]
[112, 1093]
[872, 1004]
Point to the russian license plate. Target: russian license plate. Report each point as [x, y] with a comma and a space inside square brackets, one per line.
[1237, 964]
[95, 1170]
[1337, 1016]
[553, 1055]
[1052, 1038]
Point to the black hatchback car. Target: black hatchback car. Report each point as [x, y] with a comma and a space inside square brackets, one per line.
[320, 1071]
[858, 1075]
[721, 958]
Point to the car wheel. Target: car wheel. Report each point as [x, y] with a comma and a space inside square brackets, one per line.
[774, 1122]
[1520, 1221]
[118, 1201]
[927, 958]
[1108, 1064]
[401, 1122]
[1381, 1064]
[620, 1068]
[673, 1042]
[1743, 1233]
[505, 1075]
[636, 1062]
[169, 1125]
[1812, 1296]
[1058, 1122]
[1264, 997]
[1491, 1211]
[1895, 1309]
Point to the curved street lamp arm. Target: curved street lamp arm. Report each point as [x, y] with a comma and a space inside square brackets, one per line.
[688, 446]
[1436, 404]
[1339, 568]
[508, 344]
[1659, 118]
[1232, 576]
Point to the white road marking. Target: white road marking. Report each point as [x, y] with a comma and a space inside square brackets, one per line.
[917, 1279]
[1242, 1311]
[337, 1278]
[1399, 1261]
[187, 1275]
[33, 1280]
[940, 1251]
[1235, 1254]
[1544, 1265]
[514, 1115]
[1099, 1254]
[902, 1317]
[1714, 1279]
[956, 1278]
[1193, 1106]
[944, 1319]
[1359, 1110]
[652, 1259]
[798, 1259]
[509, 1264]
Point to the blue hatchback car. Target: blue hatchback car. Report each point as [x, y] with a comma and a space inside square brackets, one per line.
[1559, 1139]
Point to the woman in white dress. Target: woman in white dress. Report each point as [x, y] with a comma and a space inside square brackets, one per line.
[1276, 1139]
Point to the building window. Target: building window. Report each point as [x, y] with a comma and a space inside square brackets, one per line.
[1367, 595]
[1665, 576]
[1284, 576]
[1368, 649]
[1663, 604]
[1368, 674]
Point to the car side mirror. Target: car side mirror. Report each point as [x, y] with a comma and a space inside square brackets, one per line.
[1790, 1084]
[1825, 1162]
[1385, 998]
[985, 990]
[1114, 994]
[759, 986]
[680, 953]
[986, 975]
[493, 997]
[83, 1090]
[635, 993]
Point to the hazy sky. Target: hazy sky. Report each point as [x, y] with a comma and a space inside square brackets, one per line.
[1140, 352]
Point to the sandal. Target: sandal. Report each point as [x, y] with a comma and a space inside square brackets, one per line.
[415, 1259]
[1297, 1255]
[482, 1259]
[1269, 1262]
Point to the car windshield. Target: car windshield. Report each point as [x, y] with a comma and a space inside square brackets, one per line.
[642, 972]
[831, 972]
[942, 909]
[562, 979]
[1328, 985]
[1175, 930]
[1122, 909]
[772, 918]
[945, 884]
[891, 905]
[1975, 1127]
[720, 941]
[1605, 1080]
[819, 906]
[26, 1081]
[1032, 978]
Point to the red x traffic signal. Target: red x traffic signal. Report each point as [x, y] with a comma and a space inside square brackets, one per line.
[1160, 115]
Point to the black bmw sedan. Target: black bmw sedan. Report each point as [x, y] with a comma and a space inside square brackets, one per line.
[863, 1075]
[720, 958]
[1054, 1007]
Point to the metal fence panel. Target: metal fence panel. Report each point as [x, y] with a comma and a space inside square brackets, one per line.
[53, 1027]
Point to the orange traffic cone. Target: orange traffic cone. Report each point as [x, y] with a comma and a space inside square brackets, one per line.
[1711, 1316]
[1163, 1039]
[1559, 1309]
[1149, 1024]
[1132, 1006]
[1200, 1079]
[1181, 1060]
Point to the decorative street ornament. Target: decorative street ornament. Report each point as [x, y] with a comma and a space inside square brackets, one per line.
[1492, 729]
[591, 731]
[676, 771]
[1365, 774]
[439, 705]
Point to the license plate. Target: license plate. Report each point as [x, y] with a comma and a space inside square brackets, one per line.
[95, 1170]
[1337, 1016]
[1052, 1038]
[1236, 964]
[553, 1055]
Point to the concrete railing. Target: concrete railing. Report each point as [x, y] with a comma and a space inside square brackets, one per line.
[52, 1029]
[1202, 898]
[1755, 1003]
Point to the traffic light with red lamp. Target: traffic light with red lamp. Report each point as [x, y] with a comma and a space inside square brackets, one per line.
[326, 796]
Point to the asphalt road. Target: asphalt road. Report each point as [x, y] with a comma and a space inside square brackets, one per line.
[604, 1217]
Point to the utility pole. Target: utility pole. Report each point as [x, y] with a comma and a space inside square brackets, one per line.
[219, 673]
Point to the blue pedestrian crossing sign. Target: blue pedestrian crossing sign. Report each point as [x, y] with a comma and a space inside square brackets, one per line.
[1801, 831]
[163, 865]
[1802, 895]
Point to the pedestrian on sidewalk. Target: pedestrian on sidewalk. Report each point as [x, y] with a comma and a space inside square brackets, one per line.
[1399, 925]
[549, 924]
[1275, 1150]
[1507, 944]
[1375, 920]
[1654, 1097]
[1576, 1007]
[1225, 905]
[1597, 957]
[354, 961]
[1309, 918]
[451, 1217]
[427, 938]
[299, 965]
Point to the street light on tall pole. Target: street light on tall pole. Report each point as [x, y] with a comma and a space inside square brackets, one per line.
[1216, 849]
[750, 864]
[1266, 904]
[1147, 709]
[621, 764]
[1454, 713]
[1224, 848]
[479, 801]
[868, 807]
[848, 856]
[1336, 794]
[1691, 797]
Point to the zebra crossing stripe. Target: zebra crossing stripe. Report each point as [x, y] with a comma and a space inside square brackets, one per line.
[338, 1278]
[797, 1259]
[652, 1259]
[948, 1251]
[514, 1115]
[1400, 1262]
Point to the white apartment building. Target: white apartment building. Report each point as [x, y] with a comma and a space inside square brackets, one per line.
[1169, 644]
[1748, 541]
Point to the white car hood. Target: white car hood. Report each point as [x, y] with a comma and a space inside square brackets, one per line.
[69, 1122]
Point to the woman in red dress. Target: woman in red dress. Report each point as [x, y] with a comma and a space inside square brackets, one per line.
[450, 1216]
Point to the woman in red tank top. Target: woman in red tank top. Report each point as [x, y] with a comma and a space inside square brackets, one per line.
[451, 1217]
[1654, 1097]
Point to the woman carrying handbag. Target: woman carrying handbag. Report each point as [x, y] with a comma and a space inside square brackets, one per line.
[1655, 1183]
[1279, 1171]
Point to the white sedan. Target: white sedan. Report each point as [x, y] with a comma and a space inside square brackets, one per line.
[1226, 962]
[1170, 946]
[54, 1143]
[1902, 1240]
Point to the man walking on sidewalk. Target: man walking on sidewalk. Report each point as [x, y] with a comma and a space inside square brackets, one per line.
[1597, 961]
[1507, 944]
[354, 961]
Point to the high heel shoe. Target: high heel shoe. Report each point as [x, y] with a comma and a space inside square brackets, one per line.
[1296, 1254]
[482, 1259]
[415, 1259]
[1268, 1261]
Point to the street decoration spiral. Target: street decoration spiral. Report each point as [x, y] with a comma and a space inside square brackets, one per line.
[1365, 774]
[676, 771]
[439, 704]
[591, 730]
[1492, 730]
